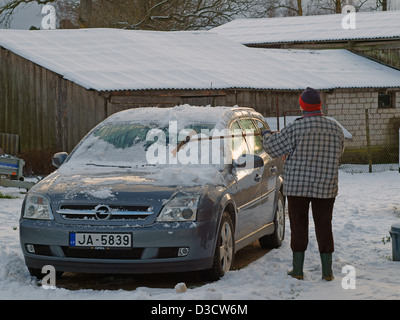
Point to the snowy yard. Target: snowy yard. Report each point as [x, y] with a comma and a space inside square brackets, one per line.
[365, 209]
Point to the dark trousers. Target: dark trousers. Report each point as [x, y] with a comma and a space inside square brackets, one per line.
[322, 215]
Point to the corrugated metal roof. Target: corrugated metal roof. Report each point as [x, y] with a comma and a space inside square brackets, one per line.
[113, 59]
[368, 25]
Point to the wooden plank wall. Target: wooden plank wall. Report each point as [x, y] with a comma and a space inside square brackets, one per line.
[266, 102]
[387, 56]
[53, 114]
[46, 111]
[9, 143]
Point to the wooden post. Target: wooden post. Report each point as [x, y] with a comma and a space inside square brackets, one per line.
[277, 113]
[368, 140]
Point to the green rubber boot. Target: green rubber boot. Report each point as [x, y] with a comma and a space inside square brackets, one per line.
[326, 262]
[298, 262]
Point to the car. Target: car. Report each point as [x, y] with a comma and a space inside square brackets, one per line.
[157, 190]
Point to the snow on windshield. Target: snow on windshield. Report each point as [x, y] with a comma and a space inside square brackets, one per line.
[143, 144]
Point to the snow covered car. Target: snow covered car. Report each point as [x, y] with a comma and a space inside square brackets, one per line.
[152, 190]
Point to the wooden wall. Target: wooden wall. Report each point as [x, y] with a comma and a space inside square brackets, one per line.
[52, 114]
[48, 112]
[390, 57]
[268, 103]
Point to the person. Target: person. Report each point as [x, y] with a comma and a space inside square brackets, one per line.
[313, 145]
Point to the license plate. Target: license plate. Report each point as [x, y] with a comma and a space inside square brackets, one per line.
[100, 240]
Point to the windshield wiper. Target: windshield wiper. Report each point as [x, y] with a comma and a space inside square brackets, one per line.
[107, 165]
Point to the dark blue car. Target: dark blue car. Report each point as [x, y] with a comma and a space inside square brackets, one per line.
[152, 190]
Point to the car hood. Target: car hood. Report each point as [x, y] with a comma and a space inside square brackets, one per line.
[105, 185]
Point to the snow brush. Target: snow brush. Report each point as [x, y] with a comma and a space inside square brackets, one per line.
[188, 138]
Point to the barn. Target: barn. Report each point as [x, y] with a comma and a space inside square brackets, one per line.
[372, 34]
[55, 85]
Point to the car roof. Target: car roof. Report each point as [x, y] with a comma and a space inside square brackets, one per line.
[221, 116]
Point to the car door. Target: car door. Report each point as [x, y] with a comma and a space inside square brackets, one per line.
[248, 188]
[269, 176]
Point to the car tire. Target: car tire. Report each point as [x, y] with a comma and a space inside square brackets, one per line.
[224, 250]
[274, 240]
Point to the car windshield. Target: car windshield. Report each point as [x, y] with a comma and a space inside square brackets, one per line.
[128, 145]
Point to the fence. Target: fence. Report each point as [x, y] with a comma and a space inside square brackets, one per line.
[374, 146]
[371, 145]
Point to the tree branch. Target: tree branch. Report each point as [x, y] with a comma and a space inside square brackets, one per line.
[8, 9]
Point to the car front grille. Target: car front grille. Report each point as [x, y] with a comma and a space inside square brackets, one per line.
[134, 253]
[104, 212]
[90, 253]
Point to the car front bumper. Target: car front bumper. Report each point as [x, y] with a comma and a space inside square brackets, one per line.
[156, 248]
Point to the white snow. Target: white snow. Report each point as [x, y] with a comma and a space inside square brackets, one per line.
[368, 25]
[114, 59]
[367, 206]
[102, 193]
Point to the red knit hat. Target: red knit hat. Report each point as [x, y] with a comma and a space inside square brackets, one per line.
[310, 100]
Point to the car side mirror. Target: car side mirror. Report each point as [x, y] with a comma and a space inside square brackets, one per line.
[248, 161]
[59, 158]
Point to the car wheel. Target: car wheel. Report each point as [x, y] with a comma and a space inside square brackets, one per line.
[275, 239]
[224, 250]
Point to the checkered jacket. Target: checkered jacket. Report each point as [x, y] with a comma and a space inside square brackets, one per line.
[313, 147]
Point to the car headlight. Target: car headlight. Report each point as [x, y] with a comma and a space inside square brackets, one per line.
[180, 208]
[37, 207]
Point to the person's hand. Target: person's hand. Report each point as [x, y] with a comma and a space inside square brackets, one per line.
[266, 132]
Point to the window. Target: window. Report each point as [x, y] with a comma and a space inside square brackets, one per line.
[386, 100]
[254, 142]
[239, 145]
[260, 125]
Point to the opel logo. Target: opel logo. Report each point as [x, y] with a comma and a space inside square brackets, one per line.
[102, 212]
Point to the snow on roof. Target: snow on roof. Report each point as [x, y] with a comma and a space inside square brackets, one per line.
[369, 25]
[114, 59]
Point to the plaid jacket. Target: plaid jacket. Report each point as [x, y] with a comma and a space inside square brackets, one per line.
[313, 146]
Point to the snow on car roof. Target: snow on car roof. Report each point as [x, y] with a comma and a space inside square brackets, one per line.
[368, 25]
[185, 113]
[114, 59]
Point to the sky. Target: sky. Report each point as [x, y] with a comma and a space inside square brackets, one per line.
[30, 15]
[26, 16]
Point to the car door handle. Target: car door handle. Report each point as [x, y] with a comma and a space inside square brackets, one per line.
[257, 177]
[273, 169]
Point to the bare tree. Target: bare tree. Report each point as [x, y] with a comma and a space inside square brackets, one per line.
[299, 7]
[177, 14]
[85, 10]
[85, 13]
[383, 4]
[338, 6]
[292, 7]
[161, 14]
[330, 6]
[7, 9]
[186, 14]
[275, 8]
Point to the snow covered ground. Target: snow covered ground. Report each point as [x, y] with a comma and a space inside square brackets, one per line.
[365, 209]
